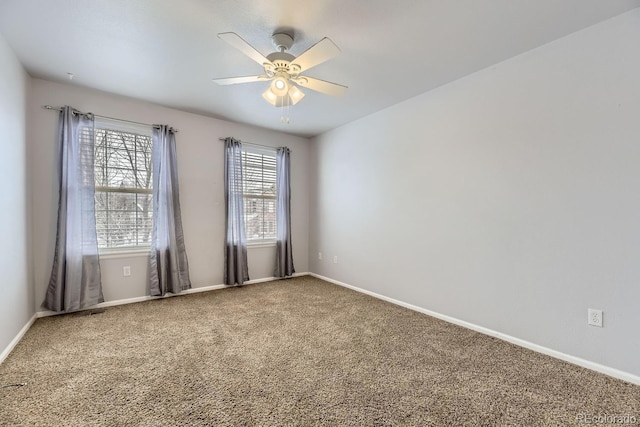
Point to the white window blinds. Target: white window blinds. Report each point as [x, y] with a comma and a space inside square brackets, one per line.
[259, 191]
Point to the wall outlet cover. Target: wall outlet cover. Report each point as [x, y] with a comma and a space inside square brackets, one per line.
[594, 317]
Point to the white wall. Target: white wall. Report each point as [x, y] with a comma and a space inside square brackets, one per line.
[509, 198]
[200, 163]
[16, 289]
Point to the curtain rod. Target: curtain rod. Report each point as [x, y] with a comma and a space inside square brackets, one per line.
[49, 107]
[251, 143]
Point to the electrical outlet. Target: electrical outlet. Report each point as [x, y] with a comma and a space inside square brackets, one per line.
[335, 259]
[319, 255]
[594, 317]
[126, 271]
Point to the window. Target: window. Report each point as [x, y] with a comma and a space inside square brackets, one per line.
[123, 183]
[259, 190]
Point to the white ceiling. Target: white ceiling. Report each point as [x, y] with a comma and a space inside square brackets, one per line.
[167, 52]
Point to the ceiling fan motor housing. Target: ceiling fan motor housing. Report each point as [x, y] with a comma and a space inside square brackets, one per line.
[281, 63]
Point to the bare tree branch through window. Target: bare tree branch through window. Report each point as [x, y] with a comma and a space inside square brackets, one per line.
[123, 180]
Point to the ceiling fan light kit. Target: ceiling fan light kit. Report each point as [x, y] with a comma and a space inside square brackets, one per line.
[283, 69]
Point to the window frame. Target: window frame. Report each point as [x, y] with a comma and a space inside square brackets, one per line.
[263, 151]
[136, 129]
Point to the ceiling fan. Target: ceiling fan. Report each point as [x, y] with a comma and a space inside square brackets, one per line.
[284, 69]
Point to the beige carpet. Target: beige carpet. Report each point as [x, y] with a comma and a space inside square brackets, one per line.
[293, 352]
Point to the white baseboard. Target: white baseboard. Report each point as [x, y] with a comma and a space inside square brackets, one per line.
[17, 338]
[612, 372]
[149, 297]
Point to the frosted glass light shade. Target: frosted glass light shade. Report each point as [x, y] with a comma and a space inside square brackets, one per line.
[295, 94]
[291, 98]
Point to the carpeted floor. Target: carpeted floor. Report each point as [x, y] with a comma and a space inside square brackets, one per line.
[292, 352]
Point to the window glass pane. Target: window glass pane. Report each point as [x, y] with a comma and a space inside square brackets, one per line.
[260, 218]
[123, 219]
[269, 218]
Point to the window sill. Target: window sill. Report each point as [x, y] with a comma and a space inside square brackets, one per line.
[261, 245]
[124, 253]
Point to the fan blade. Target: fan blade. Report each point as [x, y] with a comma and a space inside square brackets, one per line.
[322, 86]
[236, 80]
[239, 43]
[320, 52]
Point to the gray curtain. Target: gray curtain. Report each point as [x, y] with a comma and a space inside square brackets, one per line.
[236, 270]
[75, 281]
[284, 251]
[168, 265]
